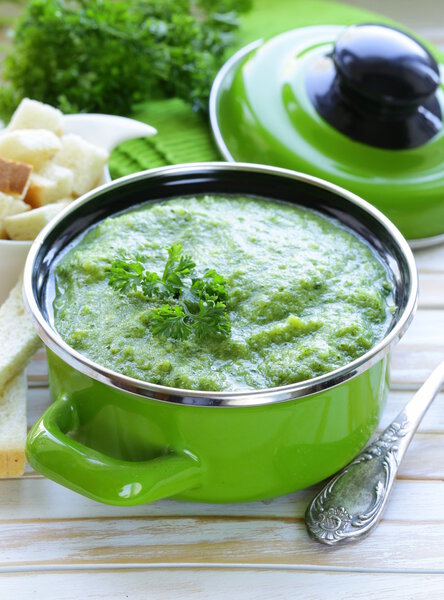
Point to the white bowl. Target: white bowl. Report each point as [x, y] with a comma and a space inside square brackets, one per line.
[106, 131]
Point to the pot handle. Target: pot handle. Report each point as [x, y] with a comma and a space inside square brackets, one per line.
[53, 453]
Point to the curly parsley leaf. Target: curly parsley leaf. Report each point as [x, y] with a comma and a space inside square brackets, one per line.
[126, 276]
[176, 269]
[210, 287]
[178, 322]
[211, 319]
[196, 305]
[170, 322]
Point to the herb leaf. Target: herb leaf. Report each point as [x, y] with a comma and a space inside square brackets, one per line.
[176, 268]
[210, 287]
[211, 318]
[107, 55]
[195, 305]
[169, 321]
[124, 275]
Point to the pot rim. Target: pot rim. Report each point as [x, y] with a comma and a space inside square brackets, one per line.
[241, 398]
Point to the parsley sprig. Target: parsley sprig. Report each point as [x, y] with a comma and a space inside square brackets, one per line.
[108, 55]
[193, 305]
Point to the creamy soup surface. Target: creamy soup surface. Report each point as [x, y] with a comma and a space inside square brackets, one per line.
[304, 294]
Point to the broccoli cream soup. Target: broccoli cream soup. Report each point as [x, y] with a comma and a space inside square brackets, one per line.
[221, 293]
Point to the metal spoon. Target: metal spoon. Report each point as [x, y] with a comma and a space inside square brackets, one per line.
[352, 502]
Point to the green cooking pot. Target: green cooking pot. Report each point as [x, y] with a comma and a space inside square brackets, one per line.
[124, 441]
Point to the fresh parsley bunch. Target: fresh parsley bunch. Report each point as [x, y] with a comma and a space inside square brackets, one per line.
[193, 305]
[105, 55]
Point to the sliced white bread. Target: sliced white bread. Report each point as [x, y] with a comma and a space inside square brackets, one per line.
[10, 206]
[32, 146]
[26, 226]
[18, 338]
[84, 159]
[13, 427]
[14, 178]
[50, 184]
[31, 114]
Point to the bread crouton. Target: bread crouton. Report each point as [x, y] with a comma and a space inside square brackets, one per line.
[10, 206]
[84, 159]
[14, 178]
[31, 114]
[50, 184]
[26, 226]
[32, 146]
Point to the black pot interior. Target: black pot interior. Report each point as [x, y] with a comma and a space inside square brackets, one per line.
[223, 179]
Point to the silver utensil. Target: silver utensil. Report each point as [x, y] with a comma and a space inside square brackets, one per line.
[352, 502]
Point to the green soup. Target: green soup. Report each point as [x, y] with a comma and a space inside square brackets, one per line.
[305, 295]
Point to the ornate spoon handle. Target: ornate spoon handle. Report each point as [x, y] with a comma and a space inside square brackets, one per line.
[353, 500]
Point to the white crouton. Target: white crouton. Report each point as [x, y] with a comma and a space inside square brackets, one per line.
[31, 114]
[26, 226]
[50, 184]
[32, 146]
[10, 206]
[86, 161]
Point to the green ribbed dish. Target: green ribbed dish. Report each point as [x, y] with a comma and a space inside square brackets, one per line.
[183, 136]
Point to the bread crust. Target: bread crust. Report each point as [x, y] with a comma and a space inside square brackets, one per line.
[14, 177]
[36, 190]
[49, 185]
[12, 462]
[13, 426]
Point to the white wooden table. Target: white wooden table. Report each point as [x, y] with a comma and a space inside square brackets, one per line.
[56, 543]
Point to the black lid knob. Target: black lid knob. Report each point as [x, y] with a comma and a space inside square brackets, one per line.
[385, 65]
[379, 87]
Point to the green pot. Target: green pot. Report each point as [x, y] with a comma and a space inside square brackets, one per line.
[124, 441]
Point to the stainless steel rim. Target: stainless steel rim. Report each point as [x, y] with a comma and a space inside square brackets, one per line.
[224, 399]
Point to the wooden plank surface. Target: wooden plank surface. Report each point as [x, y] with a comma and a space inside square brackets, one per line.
[394, 546]
[64, 546]
[219, 584]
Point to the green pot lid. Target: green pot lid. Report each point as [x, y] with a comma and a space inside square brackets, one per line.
[360, 106]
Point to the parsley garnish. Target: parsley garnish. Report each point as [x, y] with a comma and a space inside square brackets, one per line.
[193, 305]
